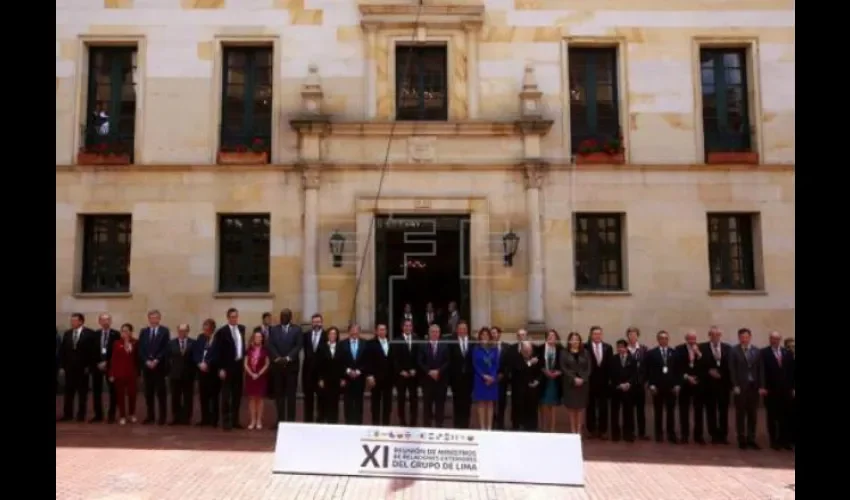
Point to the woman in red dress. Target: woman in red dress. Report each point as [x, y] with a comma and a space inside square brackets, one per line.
[256, 381]
[123, 370]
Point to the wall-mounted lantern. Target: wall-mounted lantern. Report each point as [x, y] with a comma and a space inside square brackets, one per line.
[337, 245]
[510, 242]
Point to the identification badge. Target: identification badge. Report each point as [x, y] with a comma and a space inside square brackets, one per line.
[664, 370]
[103, 351]
[718, 363]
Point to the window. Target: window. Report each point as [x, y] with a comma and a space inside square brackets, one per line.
[246, 115]
[421, 82]
[725, 111]
[106, 253]
[111, 105]
[599, 251]
[594, 106]
[243, 253]
[730, 251]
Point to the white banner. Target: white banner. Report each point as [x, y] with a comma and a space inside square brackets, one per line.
[453, 454]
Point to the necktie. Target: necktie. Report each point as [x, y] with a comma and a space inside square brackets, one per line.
[778, 356]
[315, 340]
[407, 341]
[716, 351]
[76, 337]
[550, 359]
[434, 349]
[623, 360]
[463, 347]
[598, 353]
[384, 346]
[664, 354]
[103, 339]
[354, 349]
[182, 346]
[153, 333]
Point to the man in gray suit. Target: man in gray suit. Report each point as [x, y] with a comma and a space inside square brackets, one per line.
[284, 346]
[746, 372]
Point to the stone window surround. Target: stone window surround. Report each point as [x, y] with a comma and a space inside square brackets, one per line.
[82, 75]
[618, 43]
[219, 42]
[79, 250]
[759, 275]
[458, 27]
[624, 252]
[750, 44]
[476, 207]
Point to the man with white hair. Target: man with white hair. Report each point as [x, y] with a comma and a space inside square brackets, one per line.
[779, 383]
[693, 373]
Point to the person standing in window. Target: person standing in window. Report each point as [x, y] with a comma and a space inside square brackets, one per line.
[638, 352]
[123, 372]
[153, 356]
[181, 376]
[575, 365]
[256, 366]
[597, 405]
[331, 376]
[78, 353]
[485, 388]
[209, 385]
[229, 344]
[550, 394]
[664, 379]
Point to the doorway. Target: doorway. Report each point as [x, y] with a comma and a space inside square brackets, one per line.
[421, 259]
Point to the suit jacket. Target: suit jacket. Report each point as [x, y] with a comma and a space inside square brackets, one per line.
[451, 323]
[599, 369]
[225, 348]
[686, 368]
[724, 383]
[378, 364]
[124, 364]
[525, 374]
[619, 373]
[745, 370]
[506, 354]
[461, 371]
[575, 368]
[203, 352]
[154, 349]
[83, 355]
[330, 365]
[181, 365]
[286, 341]
[310, 366]
[778, 379]
[405, 358]
[351, 362]
[640, 360]
[655, 369]
[104, 350]
[58, 347]
[428, 361]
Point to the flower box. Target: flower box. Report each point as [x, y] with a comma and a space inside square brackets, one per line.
[103, 158]
[733, 158]
[600, 159]
[242, 157]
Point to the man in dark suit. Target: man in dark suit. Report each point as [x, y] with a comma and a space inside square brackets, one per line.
[452, 319]
[181, 376]
[380, 356]
[716, 386]
[664, 383]
[597, 403]
[407, 376]
[58, 359]
[153, 358]
[209, 385]
[353, 360]
[229, 343]
[429, 317]
[460, 375]
[505, 352]
[313, 342]
[746, 371]
[284, 346]
[514, 373]
[638, 352]
[434, 370]
[623, 374]
[100, 369]
[79, 349]
[692, 368]
[780, 384]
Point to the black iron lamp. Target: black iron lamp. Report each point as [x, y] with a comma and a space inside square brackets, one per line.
[337, 244]
[510, 242]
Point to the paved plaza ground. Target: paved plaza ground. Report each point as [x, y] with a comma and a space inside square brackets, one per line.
[109, 462]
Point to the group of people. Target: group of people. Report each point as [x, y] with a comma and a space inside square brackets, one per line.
[597, 383]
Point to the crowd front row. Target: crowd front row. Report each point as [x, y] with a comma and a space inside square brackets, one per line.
[600, 385]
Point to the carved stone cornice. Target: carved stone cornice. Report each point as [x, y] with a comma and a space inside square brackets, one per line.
[467, 128]
[311, 125]
[534, 126]
[310, 175]
[534, 173]
[395, 16]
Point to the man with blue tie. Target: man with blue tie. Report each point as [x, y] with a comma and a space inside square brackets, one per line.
[434, 367]
[354, 371]
[380, 379]
[153, 352]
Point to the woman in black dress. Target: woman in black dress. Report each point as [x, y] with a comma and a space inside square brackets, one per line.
[575, 366]
[331, 376]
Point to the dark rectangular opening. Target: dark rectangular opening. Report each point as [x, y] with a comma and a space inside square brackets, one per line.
[594, 96]
[725, 106]
[246, 100]
[421, 82]
[111, 104]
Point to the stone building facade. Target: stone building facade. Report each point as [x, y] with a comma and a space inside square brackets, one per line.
[703, 226]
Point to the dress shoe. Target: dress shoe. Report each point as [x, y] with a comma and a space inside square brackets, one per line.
[659, 439]
[699, 441]
[742, 445]
[753, 446]
[95, 420]
[161, 422]
[148, 421]
[644, 437]
[174, 422]
[64, 419]
[630, 439]
[110, 420]
[80, 418]
[672, 440]
[683, 441]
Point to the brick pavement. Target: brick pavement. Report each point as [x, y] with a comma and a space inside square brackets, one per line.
[107, 462]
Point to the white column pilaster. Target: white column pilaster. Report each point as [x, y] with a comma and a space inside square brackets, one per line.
[371, 87]
[472, 30]
[310, 269]
[533, 183]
